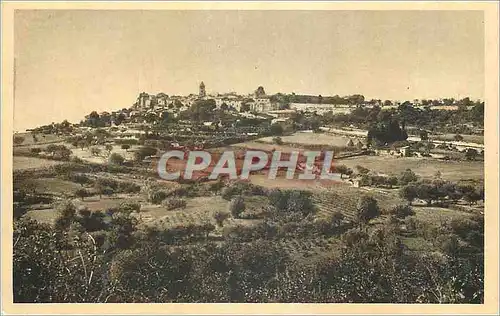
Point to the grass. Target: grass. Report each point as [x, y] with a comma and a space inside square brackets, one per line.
[424, 167]
[198, 210]
[436, 215]
[46, 216]
[478, 139]
[312, 139]
[25, 163]
[94, 203]
[344, 199]
[417, 244]
[56, 186]
[41, 139]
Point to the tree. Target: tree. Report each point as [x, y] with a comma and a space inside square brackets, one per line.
[362, 170]
[116, 159]
[67, 211]
[144, 152]
[409, 193]
[237, 206]
[426, 192]
[472, 196]
[125, 146]
[18, 140]
[260, 92]
[367, 209]
[392, 181]
[402, 211]
[102, 186]
[80, 178]
[276, 129]
[407, 176]
[471, 154]
[81, 193]
[342, 169]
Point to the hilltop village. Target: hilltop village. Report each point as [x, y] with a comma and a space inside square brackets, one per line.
[410, 197]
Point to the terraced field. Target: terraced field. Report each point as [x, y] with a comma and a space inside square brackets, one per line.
[344, 199]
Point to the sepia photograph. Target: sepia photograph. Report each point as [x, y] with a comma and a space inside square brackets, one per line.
[238, 153]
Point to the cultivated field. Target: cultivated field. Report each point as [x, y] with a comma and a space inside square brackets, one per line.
[312, 139]
[40, 139]
[478, 139]
[24, 163]
[424, 167]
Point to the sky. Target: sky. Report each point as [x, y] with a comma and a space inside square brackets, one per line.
[71, 62]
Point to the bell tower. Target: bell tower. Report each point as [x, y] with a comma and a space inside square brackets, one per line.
[202, 90]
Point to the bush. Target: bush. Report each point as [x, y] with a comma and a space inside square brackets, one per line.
[402, 211]
[407, 176]
[276, 129]
[144, 152]
[128, 187]
[36, 150]
[277, 140]
[174, 203]
[237, 206]
[116, 159]
[125, 147]
[354, 236]
[156, 197]
[130, 207]
[82, 193]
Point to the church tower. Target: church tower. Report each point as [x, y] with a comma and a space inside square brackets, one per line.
[202, 90]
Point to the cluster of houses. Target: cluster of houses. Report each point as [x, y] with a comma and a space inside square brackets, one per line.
[257, 102]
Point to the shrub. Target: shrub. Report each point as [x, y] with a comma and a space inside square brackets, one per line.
[407, 176]
[82, 193]
[130, 207]
[409, 193]
[277, 140]
[79, 178]
[362, 170]
[354, 236]
[116, 159]
[125, 146]
[157, 196]
[128, 187]
[143, 152]
[276, 129]
[76, 159]
[174, 203]
[402, 211]
[36, 150]
[237, 206]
